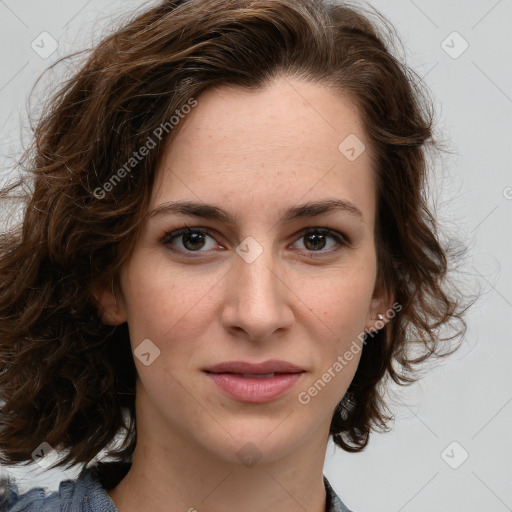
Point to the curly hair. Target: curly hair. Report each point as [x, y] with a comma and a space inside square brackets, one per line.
[69, 380]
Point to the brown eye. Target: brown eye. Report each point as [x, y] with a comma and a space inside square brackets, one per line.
[192, 239]
[315, 240]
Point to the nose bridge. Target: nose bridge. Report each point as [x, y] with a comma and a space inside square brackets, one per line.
[259, 294]
[255, 272]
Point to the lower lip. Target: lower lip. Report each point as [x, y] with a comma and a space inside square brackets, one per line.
[254, 390]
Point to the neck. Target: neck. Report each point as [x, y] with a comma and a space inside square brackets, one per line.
[171, 473]
[145, 488]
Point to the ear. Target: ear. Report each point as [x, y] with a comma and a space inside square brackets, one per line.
[381, 304]
[109, 303]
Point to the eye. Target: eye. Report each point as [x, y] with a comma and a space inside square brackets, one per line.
[315, 240]
[193, 240]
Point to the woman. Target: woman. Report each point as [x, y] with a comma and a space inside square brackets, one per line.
[226, 253]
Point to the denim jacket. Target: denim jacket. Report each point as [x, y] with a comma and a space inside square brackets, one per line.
[88, 493]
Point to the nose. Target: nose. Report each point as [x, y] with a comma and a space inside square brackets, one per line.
[258, 298]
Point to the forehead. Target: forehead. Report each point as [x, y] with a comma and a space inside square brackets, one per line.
[280, 144]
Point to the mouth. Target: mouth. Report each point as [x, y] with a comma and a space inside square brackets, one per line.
[253, 375]
[254, 382]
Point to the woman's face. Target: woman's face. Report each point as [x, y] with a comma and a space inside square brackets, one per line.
[261, 284]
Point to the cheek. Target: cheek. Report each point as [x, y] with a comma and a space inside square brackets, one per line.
[338, 348]
[323, 390]
[162, 304]
[339, 306]
[340, 299]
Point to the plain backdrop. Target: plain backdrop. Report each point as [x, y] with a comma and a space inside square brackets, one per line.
[450, 447]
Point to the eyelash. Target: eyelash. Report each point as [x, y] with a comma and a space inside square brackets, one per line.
[341, 240]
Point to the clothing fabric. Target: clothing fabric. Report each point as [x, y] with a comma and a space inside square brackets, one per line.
[88, 493]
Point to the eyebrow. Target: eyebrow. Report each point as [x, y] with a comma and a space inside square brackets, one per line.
[210, 211]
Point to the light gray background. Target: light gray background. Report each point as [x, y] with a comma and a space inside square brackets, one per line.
[468, 398]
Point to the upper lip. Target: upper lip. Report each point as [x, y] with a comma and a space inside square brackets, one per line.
[270, 366]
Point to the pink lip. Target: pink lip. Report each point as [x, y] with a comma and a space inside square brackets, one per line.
[228, 377]
[253, 390]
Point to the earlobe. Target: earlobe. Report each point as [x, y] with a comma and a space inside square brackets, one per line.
[375, 323]
[108, 303]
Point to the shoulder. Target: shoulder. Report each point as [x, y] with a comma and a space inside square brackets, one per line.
[84, 494]
[334, 504]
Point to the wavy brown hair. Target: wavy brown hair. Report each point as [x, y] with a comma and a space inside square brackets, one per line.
[69, 380]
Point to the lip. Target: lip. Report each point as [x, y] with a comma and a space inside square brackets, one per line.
[253, 390]
[228, 378]
[270, 366]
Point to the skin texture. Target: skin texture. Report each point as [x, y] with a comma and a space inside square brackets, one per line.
[253, 154]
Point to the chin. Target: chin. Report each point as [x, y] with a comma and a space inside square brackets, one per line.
[249, 444]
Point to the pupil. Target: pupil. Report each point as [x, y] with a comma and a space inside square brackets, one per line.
[195, 237]
[317, 238]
